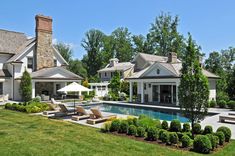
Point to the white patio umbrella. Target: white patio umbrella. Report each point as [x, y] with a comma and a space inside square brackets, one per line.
[76, 88]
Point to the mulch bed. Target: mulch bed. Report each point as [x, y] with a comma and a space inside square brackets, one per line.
[158, 142]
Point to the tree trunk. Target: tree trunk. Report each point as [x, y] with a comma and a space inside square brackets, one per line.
[192, 123]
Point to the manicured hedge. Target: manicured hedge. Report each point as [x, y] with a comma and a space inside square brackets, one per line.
[231, 104]
[29, 107]
[226, 131]
[222, 103]
[202, 144]
[175, 126]
[153, 130]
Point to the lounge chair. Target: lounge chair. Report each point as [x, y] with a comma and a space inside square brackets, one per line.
[53, 109]
[95, 99]
[222, 118]
[97, 117]
[55, 102]
[231, 113]
[82, 114]
[64, 110]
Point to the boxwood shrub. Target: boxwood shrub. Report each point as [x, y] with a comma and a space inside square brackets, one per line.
[106, 127]
[123, 127]
[115, 125]
[202, 144]
[231, 104]
[175, 126]
[165, 125]
[186, 141]
[221, 137]
[165, 137]
[208, 130]
[197, 128]
[132, 130]
[212, 103]
[173, 138]
[226, 131]
[160, 133]
[214, 140]
[222, 103]
[140, 132]
[152, 134]
[186, 127]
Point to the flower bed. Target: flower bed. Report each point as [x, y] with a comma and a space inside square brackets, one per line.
[28, 107]
[176, 136]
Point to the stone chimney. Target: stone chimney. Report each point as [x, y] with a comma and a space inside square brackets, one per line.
[113, 62]
[172, 57]
[44, 51]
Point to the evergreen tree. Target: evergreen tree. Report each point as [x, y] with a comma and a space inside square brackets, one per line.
[26, 87]
[194, 88]
[115, 85]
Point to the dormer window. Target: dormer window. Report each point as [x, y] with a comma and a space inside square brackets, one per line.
[158, 71]
[30, 63]
[55, 63]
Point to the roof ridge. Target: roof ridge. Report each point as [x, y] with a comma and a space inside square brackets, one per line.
[12, 31]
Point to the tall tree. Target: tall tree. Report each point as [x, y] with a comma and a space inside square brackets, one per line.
[142, 44]
[193, 88]
[93, 44]
[122, 44]
[65, 51]
[75, 65]
[108, 51]
[26, 87]
[165, 37]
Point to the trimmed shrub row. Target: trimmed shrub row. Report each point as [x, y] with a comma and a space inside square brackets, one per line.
[222, 104]
[204, 142]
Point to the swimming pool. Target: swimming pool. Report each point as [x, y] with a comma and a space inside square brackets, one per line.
[161, 114]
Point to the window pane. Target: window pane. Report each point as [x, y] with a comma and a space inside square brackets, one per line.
[30, 62]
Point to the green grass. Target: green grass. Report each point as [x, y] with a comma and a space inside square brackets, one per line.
[23, 134]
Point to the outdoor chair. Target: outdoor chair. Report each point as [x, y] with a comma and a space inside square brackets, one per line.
[81, 114]
[97, 117]
[53, 109]
[53, 101]
[64, 111]
[223, 118]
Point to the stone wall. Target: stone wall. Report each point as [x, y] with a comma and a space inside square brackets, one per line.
[44, 86]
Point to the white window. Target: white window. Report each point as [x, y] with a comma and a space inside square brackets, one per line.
[55, 63]
[30, 63]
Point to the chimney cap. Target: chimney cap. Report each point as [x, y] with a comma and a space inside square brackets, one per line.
[43, 16]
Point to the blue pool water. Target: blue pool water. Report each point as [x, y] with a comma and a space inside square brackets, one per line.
[157, 114]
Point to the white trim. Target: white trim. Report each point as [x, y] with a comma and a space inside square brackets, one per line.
[58, 53]
[21, 54]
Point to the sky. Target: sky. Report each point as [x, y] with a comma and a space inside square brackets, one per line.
[211, 22]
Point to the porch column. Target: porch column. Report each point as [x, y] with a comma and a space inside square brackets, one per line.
[131, 91]
[33, 89]
[172, 94]
[159, 94]
[142, 91]
[176, 87]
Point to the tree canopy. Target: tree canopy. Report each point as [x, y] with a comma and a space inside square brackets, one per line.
[193, 88]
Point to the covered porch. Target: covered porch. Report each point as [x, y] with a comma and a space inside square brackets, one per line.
[48, 89]
[155, 91]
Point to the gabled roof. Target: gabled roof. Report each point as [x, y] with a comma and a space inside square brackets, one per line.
[123, 66]
[173, 68]
[43, 73]
[10, 41]
[152, 58]
[22, 49]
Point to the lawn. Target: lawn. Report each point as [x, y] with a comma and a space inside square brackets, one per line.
[23, 134]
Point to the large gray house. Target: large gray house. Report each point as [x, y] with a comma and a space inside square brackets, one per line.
[158, 79]
[38, 56]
